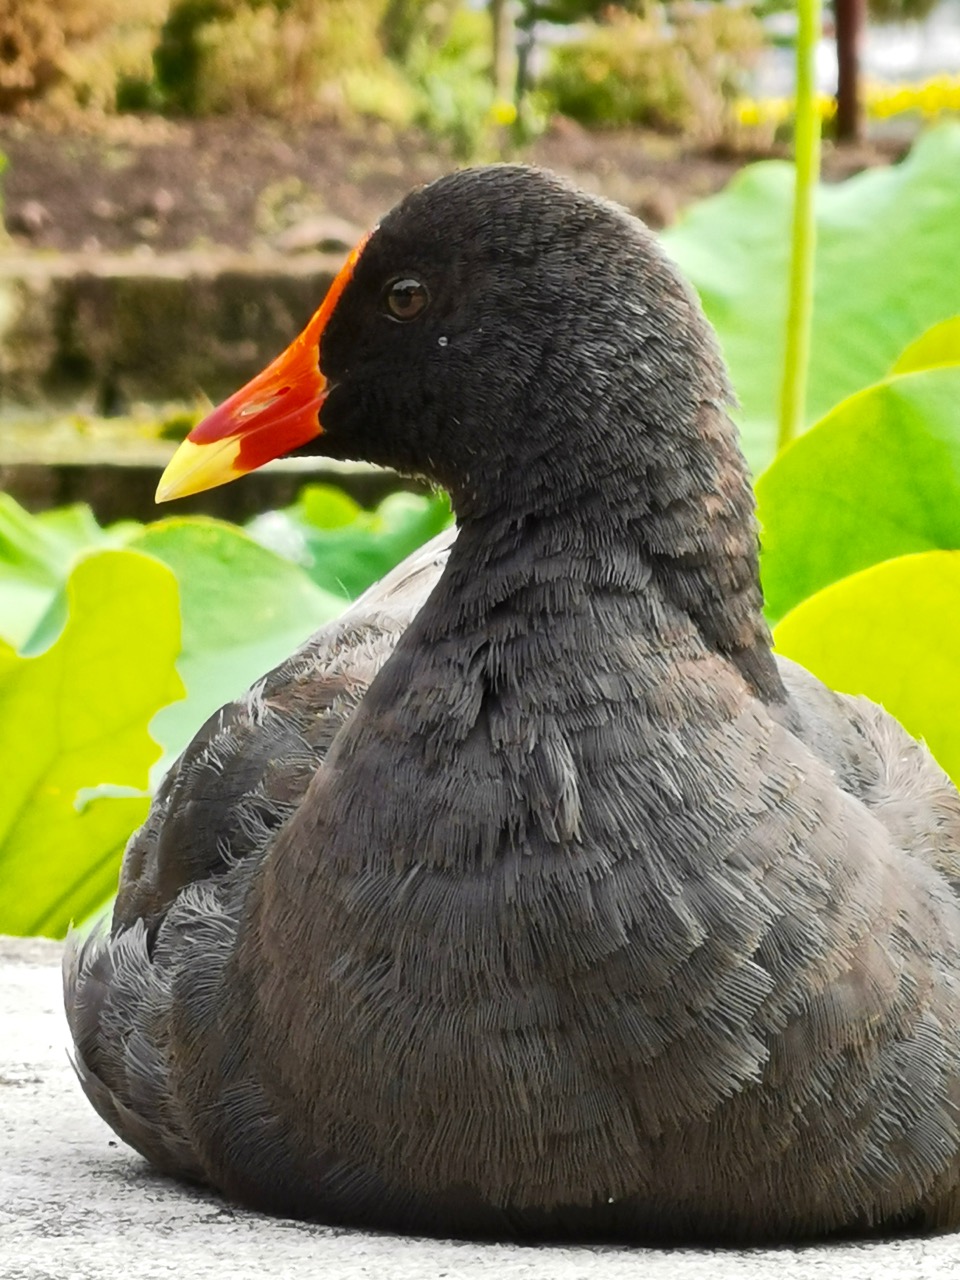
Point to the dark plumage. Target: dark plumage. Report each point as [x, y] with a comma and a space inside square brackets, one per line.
[547, 903]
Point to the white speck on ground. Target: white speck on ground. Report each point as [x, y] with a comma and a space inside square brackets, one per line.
[75, 1204]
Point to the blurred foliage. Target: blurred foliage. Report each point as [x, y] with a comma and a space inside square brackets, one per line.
[318, 553]
[928, 99]
[405, 23]
[178, 55]
[683, 74]
[270, 56]
[73, 51]
[343, 547]
[243, 609]
[678, 65]
[454, 89]
[939, 345]
[881, 11]
[428, 62]
[900, 10]
[889, 632]
[190, 56]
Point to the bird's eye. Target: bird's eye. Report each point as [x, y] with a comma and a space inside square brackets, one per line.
[406, 298]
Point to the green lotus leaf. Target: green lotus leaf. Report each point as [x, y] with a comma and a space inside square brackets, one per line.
[244, 609]
[888, 241]
[73, 721]
[878, 478]
[890, 632]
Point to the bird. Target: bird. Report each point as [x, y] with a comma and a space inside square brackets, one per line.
[535, 897]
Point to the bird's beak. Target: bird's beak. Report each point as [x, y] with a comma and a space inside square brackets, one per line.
[275, 412]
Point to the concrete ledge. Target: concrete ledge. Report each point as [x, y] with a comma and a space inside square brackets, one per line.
[75, 1205]
[105, 331]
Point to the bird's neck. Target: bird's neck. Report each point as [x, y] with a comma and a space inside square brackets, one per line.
[554, 695]
[670, 577]
[552, 670]
[553, 727]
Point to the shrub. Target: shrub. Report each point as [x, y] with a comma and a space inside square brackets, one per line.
[680, 73]
[271, 56]
[900, 10]
[452, 80]
[75, 49]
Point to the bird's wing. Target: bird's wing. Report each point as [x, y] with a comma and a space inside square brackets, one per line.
[186, 870]
[248, 767]
[877, 761]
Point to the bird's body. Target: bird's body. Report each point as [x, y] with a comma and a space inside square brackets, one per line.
[534, 897]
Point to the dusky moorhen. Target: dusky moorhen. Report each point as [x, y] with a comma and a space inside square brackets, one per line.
[535, 897]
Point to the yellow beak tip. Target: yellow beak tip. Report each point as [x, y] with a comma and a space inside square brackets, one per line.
[195, 467]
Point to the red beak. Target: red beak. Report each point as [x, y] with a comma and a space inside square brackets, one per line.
[275, 412]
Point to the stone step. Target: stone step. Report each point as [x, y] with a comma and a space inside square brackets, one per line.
[99, 334]
[103, 332]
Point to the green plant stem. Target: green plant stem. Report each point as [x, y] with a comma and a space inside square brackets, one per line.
[793, 392]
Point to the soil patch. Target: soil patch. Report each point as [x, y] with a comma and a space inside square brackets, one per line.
[154, 185]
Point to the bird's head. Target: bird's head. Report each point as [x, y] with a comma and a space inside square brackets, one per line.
[499, 328]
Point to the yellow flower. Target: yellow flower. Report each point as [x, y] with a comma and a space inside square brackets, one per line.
[826, 106]
[930, 98]
[503, 112]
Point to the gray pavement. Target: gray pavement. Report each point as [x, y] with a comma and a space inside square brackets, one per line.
[77, 1205]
